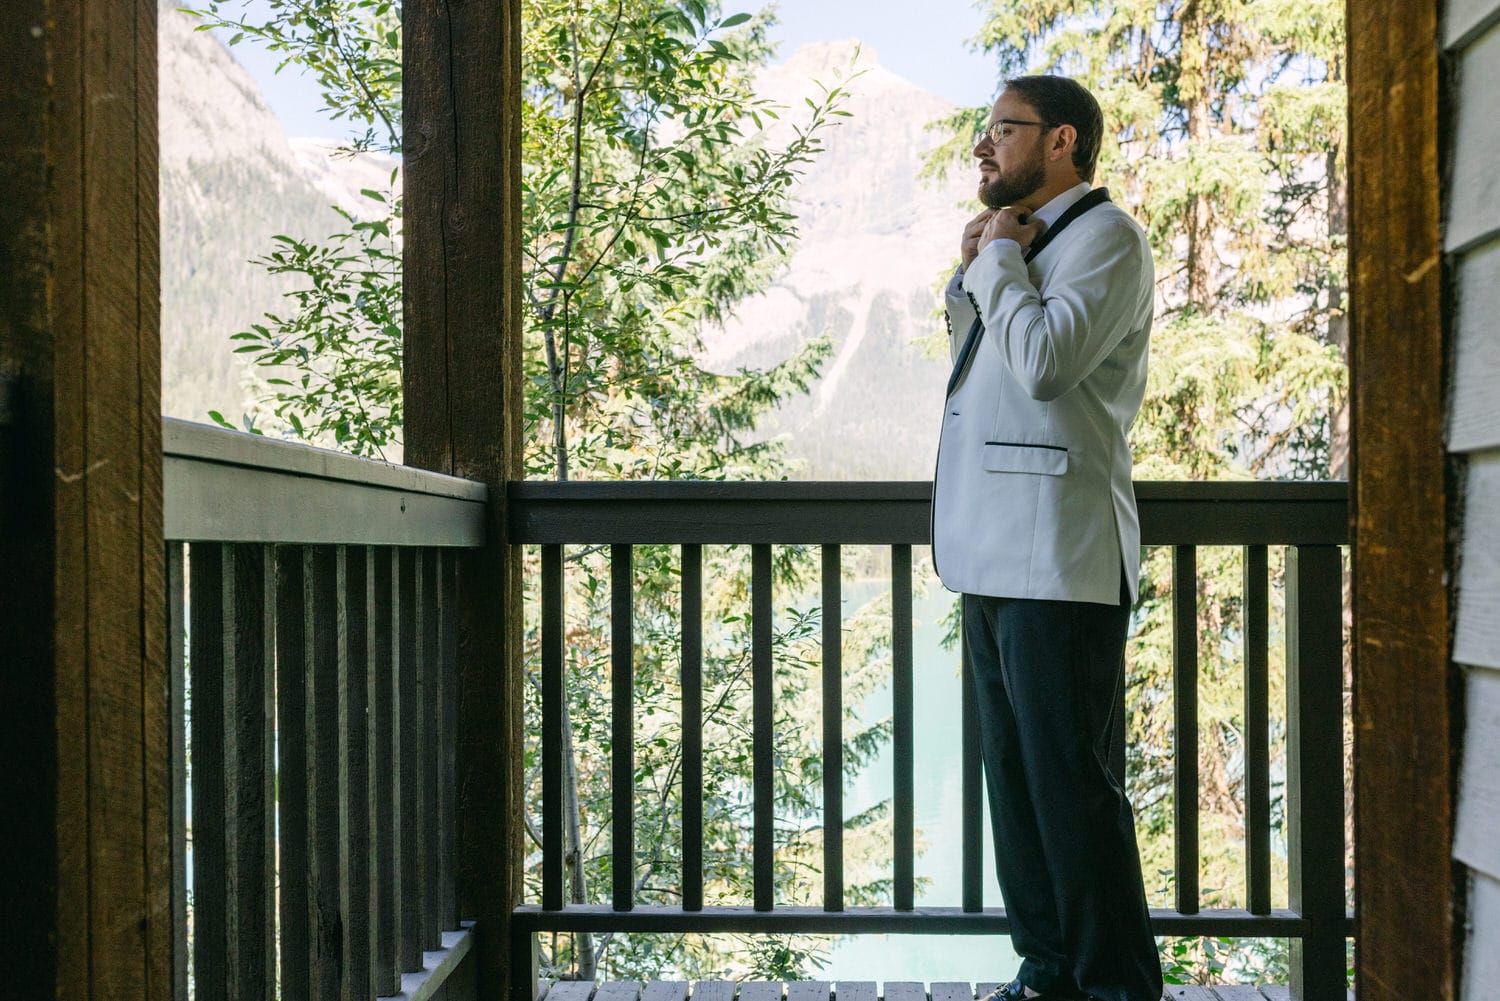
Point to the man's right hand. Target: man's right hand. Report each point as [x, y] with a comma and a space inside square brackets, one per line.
[969, 247]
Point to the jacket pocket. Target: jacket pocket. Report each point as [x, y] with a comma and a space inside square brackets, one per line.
[1015, 457]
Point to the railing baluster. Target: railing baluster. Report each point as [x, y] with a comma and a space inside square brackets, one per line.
[1315, 768]
[260, 703]
[903, 737]
[692, 728]
[355, 587]
[973, 788]
[622, 732]
[211, 962]
[833, 730]
[763, 722]
[553, 707]
[448, 741]
[177, 737]
[324, 793]
[406, 720]
[255, 658]
[1185, 725]
[384, 842]
[292, 601]
[1257, 732]
[429, 730]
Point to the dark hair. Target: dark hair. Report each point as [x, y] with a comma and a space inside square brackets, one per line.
[1059, 100]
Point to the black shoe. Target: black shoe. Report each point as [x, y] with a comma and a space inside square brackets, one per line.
[1016, 991]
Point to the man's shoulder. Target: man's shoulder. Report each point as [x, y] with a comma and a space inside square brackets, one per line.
[1109, 215]
[1106, 224]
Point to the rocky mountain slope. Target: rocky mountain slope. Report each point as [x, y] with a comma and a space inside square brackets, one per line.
[875, 245]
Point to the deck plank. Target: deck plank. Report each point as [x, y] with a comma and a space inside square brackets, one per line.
[853, 990]
[986, 987]
[570, 990]
[618, 990]
[761, 990]
[714, 990]
[814, 990]
[949, 991]
[905, 990]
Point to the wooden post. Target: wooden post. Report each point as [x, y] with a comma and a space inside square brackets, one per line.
[86, 875]
[462, 309]
[1403, 682]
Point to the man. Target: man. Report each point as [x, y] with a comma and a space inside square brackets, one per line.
[1034, 522]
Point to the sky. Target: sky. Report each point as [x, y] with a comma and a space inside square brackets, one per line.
[931, 51]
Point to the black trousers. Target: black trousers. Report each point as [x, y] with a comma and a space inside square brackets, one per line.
[1047, 676]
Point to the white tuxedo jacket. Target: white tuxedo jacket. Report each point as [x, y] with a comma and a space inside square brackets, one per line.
[1033, 494]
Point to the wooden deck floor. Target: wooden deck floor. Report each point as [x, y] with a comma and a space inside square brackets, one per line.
[726, 990]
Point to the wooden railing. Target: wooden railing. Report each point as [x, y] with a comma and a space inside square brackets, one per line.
[311, 607]
[1310, 520]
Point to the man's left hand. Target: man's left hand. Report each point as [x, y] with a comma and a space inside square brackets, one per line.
[1007, 224]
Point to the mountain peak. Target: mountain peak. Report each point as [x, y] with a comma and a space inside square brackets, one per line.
[844, 54]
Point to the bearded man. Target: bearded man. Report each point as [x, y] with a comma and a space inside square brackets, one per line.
[1034, 523]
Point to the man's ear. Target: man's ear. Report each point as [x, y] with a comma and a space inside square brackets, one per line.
[1064, 138]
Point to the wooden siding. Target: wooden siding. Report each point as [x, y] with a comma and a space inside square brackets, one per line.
[1477, 640]
[1474, 421]
[1472, 37]
[1473, 197]
[1475, 843]
[1482, 966]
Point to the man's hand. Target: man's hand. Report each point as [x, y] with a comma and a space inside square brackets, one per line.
[969, 246]
[1006, 224]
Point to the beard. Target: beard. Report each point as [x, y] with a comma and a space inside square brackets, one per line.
[1008, 189]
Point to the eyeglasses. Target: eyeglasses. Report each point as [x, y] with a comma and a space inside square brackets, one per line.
[999, 130]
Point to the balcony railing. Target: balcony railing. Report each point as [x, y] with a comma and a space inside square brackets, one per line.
[1310, 520]
[311, 601]
[310, 605]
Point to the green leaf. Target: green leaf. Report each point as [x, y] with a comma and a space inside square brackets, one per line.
[734, 20]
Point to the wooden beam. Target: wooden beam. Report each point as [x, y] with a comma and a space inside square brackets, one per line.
[1404, 684]
[86, 877]
[462, 374]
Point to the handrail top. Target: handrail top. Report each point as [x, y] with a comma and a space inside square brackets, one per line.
[1317, 491]
[791, 512]
[206, 443]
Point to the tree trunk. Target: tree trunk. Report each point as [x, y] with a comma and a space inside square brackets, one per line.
[1338, 319]
[1195, 83]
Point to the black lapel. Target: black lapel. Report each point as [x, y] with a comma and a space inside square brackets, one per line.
[1097, 196]
[963, 355]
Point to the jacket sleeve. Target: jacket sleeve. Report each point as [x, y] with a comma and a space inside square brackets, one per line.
[1093, 301]
[960, 313]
